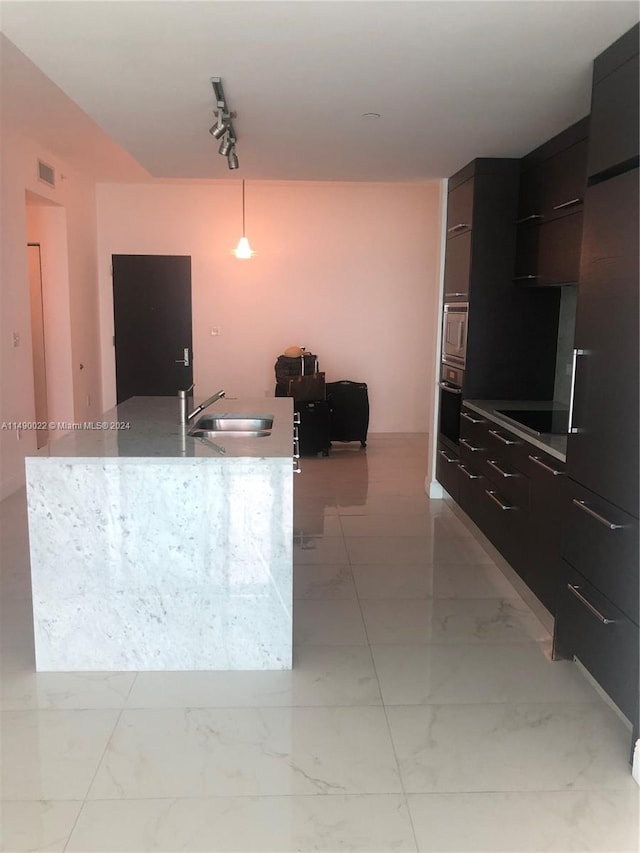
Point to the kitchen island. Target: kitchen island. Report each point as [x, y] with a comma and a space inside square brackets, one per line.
[152, 549]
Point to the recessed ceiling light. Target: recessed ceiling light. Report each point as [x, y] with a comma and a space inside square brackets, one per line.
[370, 115]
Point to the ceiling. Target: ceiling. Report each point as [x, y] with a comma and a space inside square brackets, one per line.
[451, 81]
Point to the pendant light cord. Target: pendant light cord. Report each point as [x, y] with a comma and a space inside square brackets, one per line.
[243, 229]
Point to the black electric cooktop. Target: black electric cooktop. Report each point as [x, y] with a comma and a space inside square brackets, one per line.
[540, 421]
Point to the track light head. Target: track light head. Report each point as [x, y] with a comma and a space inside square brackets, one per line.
[232, 159]
[226, 145]
[220, 128]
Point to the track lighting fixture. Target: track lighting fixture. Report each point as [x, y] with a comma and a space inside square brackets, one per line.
[223, 127]
[225, 146]
[219, 129]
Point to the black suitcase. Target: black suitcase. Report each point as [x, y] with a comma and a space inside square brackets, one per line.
[313, 431]
[349, 404]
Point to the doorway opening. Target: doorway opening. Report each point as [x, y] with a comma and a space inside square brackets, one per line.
[48, 268]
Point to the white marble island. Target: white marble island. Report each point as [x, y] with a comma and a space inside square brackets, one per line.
[155, 550]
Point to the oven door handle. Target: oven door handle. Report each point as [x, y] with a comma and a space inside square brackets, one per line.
[451, 389]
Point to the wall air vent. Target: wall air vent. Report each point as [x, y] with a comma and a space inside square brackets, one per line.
[46, 173]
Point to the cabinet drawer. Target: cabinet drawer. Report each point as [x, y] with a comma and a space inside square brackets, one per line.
[601, 542]
[547, 504]
[472, 486]
[457, 268]
[589, 627]
[473, 427]
[505, 523]
[447, 471]
[506, 446]
[509, 482]
[460, 209]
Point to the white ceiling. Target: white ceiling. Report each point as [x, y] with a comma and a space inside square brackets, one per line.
[452, 80]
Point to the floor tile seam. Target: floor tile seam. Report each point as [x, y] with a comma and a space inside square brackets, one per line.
[431, 642]
[510, 703]
[212, 796]
[622, 789]
[101, 759]
[395, 752]
[296, 706]
[427, 597]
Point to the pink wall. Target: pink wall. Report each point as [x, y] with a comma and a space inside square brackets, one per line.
[351, 271]
[76, 196]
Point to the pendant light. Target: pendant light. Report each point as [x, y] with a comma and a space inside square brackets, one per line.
[243, 249]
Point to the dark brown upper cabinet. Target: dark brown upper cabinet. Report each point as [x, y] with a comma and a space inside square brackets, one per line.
[614, 108]
[551, 196]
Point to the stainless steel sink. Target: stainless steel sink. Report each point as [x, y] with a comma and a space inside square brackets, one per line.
[233, 424]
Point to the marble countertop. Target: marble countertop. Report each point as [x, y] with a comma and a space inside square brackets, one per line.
[554, 445]
[148, 428]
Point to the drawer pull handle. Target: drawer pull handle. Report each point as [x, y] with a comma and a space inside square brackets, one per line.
[495, 498]
[450, 388]
[584, 506]
[471, 419]
[296, 417]
[469, 474]
[500, 437]
[469, 446]
[457, 293]
[458, 227]
[446, 457]
[548, 468]
[525, 277]
[576, 591]
[531, 218]
[500, 471]
[569, 203]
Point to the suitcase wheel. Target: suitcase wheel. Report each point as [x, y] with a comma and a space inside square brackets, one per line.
[363, 444]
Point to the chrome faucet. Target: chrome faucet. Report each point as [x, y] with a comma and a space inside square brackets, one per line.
[182, 398]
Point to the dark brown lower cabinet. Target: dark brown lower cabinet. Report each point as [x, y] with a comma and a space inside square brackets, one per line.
[593, 630]
[547, 503]
[447, 470]
[601, 542]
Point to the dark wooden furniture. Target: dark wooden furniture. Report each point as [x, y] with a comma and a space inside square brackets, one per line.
[514, 492]
[552, 188]
[597, 619]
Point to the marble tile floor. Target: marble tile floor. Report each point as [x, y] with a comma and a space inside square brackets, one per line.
[423, 712]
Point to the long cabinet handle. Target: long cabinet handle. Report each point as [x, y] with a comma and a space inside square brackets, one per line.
[605, 521]
[458, 227]
[496, 499]
[457, 293]
[575, 590]
[525, 277]
[500, 437]
[544, 466]
[530, 218]
[450, 388]
[465, 443]
[469, 474]
[569, 203]
[471, 419]
[500, 471]
[447, 458]
[574, 366]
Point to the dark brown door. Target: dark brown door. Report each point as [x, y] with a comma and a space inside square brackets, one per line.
[152, 321]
